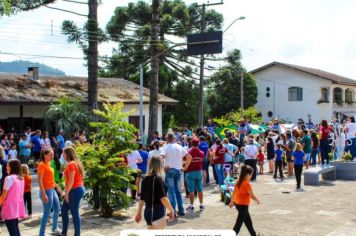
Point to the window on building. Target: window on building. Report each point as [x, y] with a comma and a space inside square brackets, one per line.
[135, 120]
[295, 94]
[337, 96]
[325, 94]
[349, 96]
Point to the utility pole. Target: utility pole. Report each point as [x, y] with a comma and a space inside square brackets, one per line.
[241, 94]
[92, 56]
[201, 77]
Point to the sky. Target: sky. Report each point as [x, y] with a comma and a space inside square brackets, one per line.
[312, 33]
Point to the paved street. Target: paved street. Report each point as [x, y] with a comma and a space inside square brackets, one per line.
[329, 209]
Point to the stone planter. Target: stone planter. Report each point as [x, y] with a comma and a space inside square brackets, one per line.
[345, 170]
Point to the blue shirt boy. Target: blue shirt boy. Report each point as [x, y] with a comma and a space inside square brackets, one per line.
[279, 154]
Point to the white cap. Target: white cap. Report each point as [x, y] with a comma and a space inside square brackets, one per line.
[67, 143]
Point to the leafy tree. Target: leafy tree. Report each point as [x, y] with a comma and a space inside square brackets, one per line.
[131, 27]
[67, 115]
[103, 159]
[224, 93]
[185, 112]
[251, 114]
[5, 7]
[8, 7]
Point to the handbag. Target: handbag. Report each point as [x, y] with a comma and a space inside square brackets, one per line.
[160, 223]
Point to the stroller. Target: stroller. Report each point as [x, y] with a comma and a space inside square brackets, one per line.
[227, 188]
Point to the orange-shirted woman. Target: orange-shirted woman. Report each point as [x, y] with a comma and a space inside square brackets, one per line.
[241, 200]
[27, 192]
[48, 196]
[74, 190]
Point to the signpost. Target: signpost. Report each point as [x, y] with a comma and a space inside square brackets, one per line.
[212, 45]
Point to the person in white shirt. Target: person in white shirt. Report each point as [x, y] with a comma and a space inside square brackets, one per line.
[350, 127]
[156, 152]
[45, 141]
[132, 159]
[12, 152]
[250, 154]
[28, 134]
[173, 155]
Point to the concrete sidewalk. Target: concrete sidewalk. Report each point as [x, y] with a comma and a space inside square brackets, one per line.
[329, 209]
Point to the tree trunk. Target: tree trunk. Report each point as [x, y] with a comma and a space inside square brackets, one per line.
[153, 112]
[93, 71]
[92, 56]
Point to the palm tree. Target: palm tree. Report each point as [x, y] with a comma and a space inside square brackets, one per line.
[67, 116]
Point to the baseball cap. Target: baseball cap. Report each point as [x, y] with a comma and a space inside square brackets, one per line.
[195, 142]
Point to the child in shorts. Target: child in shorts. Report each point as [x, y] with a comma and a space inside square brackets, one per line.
[260, 159]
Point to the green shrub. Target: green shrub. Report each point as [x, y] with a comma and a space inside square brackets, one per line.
[331, 156]
[106, 176]
[347, 157]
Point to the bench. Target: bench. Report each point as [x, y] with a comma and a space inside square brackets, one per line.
[345, 170]
[311, 176]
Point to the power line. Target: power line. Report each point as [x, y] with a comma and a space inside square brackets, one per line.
[40, 56]
[71, 1]
[72, 12]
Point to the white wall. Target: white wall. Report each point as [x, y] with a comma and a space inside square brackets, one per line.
[135, 111]
[279, 79]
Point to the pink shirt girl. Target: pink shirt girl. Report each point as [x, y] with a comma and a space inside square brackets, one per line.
[13, 206]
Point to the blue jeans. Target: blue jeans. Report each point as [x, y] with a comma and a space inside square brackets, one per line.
[206, 165]
[173, 177]
[53, 202]
[324, 147]
[75, 195]
[313, 155]
[219, 168]
[242, 140]
[194, 181]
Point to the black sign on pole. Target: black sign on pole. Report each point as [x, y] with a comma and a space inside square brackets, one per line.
[204, 43]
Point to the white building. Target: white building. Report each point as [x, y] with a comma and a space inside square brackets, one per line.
[23, 101]
[290, 92]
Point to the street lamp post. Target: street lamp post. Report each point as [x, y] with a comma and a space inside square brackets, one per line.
[233, 22]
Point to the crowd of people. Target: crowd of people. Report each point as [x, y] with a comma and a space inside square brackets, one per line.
[180, 162]
[60, 178]
[190, 156]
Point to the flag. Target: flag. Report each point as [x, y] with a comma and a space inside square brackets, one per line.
[221, 132]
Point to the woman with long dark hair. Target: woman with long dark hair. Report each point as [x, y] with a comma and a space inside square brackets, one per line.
[241, 200]
[48, 194]
[315, 148]
[270, 152]
[324, 142]
[74, 190]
